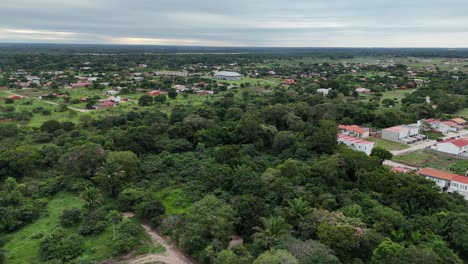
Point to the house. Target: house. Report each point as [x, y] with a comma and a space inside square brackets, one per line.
[323, 91]
[362, 90]
[228, 76]
[15, 97]
[180, 87]
[441, 178]
[356, 143]
[289, 81]
[453, 146]
[84, 99]
[81, 84]
[204, 92]
[405, 134]
[353, 130]
[112, 93]
[156, 93]
[460, 121]
[443, 126]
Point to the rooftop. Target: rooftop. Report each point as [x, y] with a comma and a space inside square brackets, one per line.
[228, 73]
[354, 140]
[460, 142]
[437, 174]
[354, 128]
[459, 120]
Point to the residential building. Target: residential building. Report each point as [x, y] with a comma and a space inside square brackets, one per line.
[156, 93]
[405, 134]
[354, 130]
[289, 81]
[460, 121]
[441, 178]
[459, 185]
[443, 126]
[229, 76]
[362, 90]
[453, 146]
[323, 91]
[356, 143]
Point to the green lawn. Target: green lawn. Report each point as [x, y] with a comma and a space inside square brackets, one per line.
[388, 145]
[173, 201]
[463, 113]
[425, 159]
[20, 248]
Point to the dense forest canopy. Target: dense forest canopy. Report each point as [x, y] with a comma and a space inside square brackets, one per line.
[264, 167]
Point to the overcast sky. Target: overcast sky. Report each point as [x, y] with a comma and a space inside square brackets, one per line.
[273, 23]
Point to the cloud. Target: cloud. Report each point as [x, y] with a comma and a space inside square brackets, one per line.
[339, 23]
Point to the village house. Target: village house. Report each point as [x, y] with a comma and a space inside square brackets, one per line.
[460, 121]
[362, 90]
[406, 134]
[156, 93]
[354, 131]
[453, 146]
[443, 126]
[204, 92]
[112, 93]
[15, 97]
[105, 104]
[289, 81]
[356, 143]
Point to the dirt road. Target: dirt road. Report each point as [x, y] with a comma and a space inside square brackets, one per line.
[172, 255]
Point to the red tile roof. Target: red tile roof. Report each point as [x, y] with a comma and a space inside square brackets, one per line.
[354, 140]
[399, 170]
[459, 121]
[396, 128]
[354, 128]
[460, 179]
[460, 142]
[437, 174]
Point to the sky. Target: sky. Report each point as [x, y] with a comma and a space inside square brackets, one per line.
[240, 23]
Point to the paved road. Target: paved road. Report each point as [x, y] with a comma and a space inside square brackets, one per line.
[427, 143]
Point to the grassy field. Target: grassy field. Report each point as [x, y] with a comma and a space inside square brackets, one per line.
[20, 248]
[394, 94]
[463, 113]
[388, 145]
[425, 159]
[173, 201]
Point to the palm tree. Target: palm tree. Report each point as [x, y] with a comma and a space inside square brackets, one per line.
[298, 208]
[115, 217]
[110, 174]
[92, 198]
[273, 230]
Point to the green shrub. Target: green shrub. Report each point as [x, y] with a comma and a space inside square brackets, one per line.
[58, 246]
[70, 217]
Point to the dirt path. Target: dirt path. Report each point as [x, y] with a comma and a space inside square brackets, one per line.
[69, 107]
[172, 255]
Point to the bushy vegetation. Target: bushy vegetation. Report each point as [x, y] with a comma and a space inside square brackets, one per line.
[262, 166]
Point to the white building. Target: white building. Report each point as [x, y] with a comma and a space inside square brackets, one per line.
[405, 134]
[453, 146]
[229, 76]
[459, 185]
[323, 91]
[446, 181]
[356, 143]
[443, 126]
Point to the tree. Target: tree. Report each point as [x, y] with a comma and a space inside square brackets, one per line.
[50, 126]
[273, 230]
[92, 198]
[279, 256]
[388, 252]
[342, 238]
[311, 252]
[160, 99]
[229, 257]
[110, 175]
[381, 153]
[83, 161]
[145, 100]
[208, 222]
[58, 246]
[172, 93]
[115, 217]
[70, 217]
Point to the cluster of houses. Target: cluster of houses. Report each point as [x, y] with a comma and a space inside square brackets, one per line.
[445, 127]
[457, 146]
[353, 137]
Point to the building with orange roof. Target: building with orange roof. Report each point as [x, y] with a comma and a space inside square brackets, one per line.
[354, 130]
[441, 178]
[460, 121]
